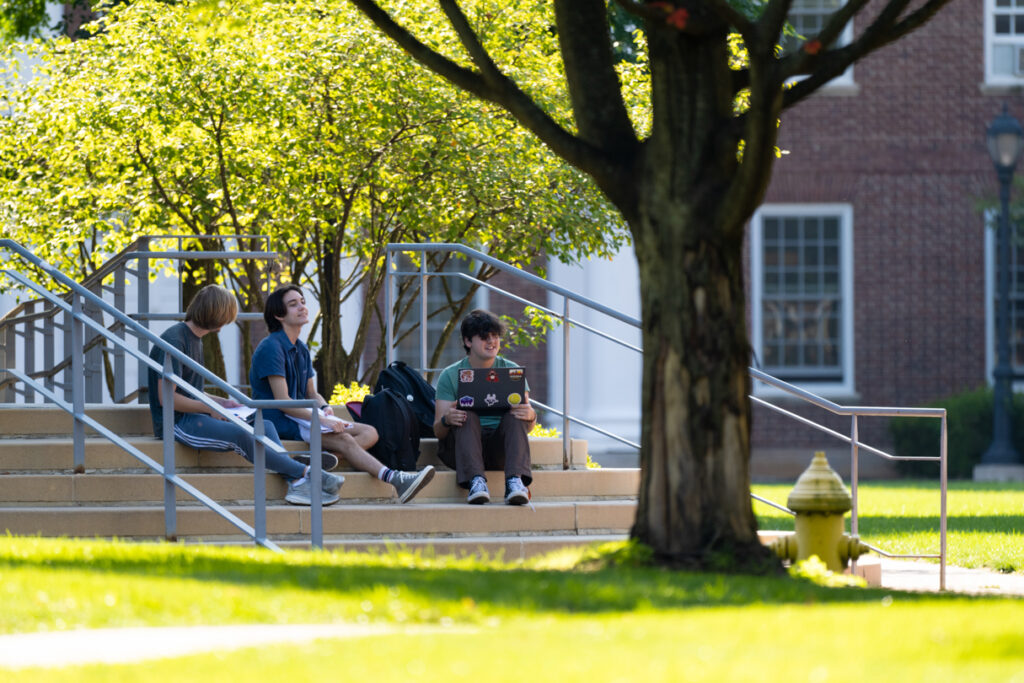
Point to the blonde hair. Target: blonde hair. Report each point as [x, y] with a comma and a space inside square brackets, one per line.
[212, 307]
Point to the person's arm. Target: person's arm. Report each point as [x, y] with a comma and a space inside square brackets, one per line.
[184, 404]
[446, 415]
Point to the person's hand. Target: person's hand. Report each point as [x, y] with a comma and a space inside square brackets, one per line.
[230, 403]
[217, 416]
[327, 410]
[455, 417]
[524, 412]
[336, 424]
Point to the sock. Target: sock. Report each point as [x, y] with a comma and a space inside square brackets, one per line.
[386, 474]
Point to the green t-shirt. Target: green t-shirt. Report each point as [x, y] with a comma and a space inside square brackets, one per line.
[448, 380]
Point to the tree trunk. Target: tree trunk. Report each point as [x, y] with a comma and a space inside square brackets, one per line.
[332, 361]
[694, 507]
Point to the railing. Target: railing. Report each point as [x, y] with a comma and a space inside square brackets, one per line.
[567, 322]
[20, 327]
[77, 321]
[854, 413]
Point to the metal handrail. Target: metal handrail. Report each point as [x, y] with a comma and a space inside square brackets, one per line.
[117, 265]
[854, 412]
[76, 408]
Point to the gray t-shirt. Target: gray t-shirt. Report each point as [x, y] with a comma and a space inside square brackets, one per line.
[182, 338]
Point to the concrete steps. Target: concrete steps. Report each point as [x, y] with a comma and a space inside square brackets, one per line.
[117, 497]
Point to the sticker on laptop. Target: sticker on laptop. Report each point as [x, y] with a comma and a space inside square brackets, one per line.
[514, 399]
[492, 375]
[515, 374]
[490, 400]
[465, 375]
[466, 402]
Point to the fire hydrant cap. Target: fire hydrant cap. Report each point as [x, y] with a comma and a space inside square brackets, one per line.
[819, 489]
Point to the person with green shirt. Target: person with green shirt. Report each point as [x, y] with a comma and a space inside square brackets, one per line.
[471, 443]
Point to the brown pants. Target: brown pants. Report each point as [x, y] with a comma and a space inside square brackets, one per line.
[470, 449]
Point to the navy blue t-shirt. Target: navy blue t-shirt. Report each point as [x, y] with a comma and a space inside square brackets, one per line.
[276, 355]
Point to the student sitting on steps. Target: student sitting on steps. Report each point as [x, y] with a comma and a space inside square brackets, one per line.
[282, 369]
[199, 426]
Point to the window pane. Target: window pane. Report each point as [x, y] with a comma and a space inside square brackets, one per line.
[1003, 24]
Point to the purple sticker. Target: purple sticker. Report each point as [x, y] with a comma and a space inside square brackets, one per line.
[466, 402]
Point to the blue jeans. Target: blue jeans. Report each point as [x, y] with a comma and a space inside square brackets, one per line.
[208, 433]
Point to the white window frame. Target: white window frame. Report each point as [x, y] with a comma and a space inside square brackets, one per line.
[991, 226]
[992, 78]
[845, 388]
[844, 80]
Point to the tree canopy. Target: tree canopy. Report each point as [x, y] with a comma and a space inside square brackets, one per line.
[294, 120]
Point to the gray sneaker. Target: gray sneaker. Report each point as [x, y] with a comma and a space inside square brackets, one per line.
[408, 484]
[328, 461]
[299, 493]
[478, 493]
[331, 482]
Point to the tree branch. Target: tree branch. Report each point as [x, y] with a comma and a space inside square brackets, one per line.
[594, 86]
[501, 90]
[885, 29]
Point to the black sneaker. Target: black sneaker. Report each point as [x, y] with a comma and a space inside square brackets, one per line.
[328, 461]
[516, 492]
[478, 493]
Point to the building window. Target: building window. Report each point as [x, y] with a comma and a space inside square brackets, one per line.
[802, 295]
[808, 18]
[1016, 321]
[1004, 41]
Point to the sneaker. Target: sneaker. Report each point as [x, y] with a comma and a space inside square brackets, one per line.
[478, 493]
[299, 494]
[516, 492]
[408, 484]
[328, 461]
[330, 483]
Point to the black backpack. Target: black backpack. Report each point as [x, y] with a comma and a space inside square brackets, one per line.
[417, 392]
[398, 442]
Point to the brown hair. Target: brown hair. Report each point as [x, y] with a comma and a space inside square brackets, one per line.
[212, 307]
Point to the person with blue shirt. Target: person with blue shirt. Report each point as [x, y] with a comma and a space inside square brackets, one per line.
[200, 426]
[283, 369]
[471, 443]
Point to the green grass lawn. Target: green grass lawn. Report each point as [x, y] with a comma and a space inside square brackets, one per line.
[985, 522]
[553, 619]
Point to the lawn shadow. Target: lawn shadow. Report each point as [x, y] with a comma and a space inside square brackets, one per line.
[620, 589]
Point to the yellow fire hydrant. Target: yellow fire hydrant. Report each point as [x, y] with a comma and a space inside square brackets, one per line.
[820, 502]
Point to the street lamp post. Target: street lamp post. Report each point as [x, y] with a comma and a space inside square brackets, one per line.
[1005, 140]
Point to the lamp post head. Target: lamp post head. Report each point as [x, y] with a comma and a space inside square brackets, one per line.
[1005, 140]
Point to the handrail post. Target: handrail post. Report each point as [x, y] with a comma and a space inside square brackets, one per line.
[259, 473]
[943, 473]
[29, 350]
[77, 381]
[167, 406]
[119, 388]
[142, 280]
[854, 439]
[316, 510]
[423, 309]
[566, 442]
[389, 304]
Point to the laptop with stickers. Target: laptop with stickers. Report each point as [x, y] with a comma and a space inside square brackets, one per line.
[490, 390]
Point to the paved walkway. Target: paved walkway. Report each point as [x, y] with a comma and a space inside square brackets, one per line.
[120, 646]
[924, 576]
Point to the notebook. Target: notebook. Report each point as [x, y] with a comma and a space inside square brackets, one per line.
[490, 390]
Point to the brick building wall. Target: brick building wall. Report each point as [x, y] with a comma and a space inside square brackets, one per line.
[906, 150]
